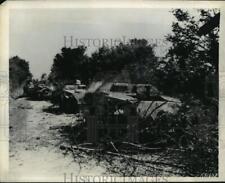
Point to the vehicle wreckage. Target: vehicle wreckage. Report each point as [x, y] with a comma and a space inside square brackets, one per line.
[72, 96]
[114, 110]
[38, 91]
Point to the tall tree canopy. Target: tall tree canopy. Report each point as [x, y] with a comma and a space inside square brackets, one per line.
[191, 57]
[136, 56]
[69, 64]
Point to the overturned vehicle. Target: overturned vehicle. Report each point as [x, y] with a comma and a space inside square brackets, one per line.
[115, 110]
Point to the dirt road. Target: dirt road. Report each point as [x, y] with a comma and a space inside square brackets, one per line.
[35, 142]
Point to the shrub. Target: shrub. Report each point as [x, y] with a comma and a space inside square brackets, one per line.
[194, 130]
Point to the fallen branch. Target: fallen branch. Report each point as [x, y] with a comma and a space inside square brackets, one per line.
[147, 163]
[141, 160]
[124, 156]
[84, 144]
[114, 147]
[141, 146]
[74, 156]
[126, 159]
[180, 150]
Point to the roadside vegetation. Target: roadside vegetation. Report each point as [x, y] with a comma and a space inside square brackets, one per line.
[19, 74]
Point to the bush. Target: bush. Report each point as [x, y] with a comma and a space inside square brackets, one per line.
[194, 130]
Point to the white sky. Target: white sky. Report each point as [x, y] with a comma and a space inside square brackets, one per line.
[37, 35]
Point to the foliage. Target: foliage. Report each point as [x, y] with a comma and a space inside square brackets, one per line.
[195, 129]
[183, 72]
[19, 73]
[70, 64]
[192, 57]
[137, 57]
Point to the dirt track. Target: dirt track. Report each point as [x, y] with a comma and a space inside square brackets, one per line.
[35, 142]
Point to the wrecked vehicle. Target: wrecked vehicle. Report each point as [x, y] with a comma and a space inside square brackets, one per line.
[71, 97]
[44, 92]
[30, 89]
[115, 110]
[38, 91]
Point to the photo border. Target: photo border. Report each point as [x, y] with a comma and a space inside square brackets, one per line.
[4, 73]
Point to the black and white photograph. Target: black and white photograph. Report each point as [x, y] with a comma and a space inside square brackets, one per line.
[113, 92]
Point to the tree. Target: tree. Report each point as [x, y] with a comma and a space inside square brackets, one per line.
[190, 60]
[19, 73]
[19, 70]
[69, 64]
[191, 57]
[137, 57]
